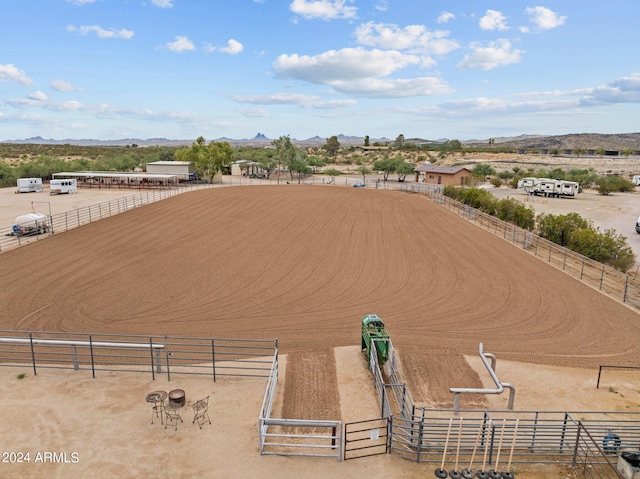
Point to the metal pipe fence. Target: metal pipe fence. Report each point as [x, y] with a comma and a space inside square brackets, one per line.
[68, 220]
[590, 444]
[170, 355]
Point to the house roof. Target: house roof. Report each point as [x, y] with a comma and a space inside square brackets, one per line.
[445, 170]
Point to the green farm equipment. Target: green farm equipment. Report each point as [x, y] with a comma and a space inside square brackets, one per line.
[374, 333]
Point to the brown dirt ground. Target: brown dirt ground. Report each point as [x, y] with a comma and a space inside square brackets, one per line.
[303, 264]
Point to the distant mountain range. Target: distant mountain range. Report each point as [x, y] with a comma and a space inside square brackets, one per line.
[586, 141]
[259, 140]
[619, 141]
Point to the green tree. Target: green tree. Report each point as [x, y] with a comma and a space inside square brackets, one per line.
[403, 169]
[332, 173]
[483, 170]
[386, 166]
[299, 165]
[332, 146]
[364, 170]
[316, 162]
[399, 143]
[207, 159]
[285, 152]
[366, 140]
[7, 175]
[452, 145]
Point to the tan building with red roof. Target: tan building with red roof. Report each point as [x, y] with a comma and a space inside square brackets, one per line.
[442, 175]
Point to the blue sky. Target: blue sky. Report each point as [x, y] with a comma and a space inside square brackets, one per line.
[178, 69]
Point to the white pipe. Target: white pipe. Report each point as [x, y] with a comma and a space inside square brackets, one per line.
[62, 342]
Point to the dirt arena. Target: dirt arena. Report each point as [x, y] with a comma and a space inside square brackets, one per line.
[304, 265]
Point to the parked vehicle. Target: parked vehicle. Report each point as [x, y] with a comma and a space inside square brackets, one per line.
[58, 187]
[31, 224]
[636, 180]
[638, 226]
[553, 188]
[29, 185]
[523, 182]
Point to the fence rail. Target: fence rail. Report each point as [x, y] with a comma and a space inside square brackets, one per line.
[170, 355]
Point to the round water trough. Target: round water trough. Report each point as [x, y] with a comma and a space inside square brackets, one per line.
[177, 396]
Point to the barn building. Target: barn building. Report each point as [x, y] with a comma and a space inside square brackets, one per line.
[180, 169]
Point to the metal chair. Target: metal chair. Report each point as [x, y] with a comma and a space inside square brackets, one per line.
[200, 411]
[172, 414]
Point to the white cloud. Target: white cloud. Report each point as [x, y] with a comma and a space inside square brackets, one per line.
[496, 54]
[84, 30]
[163, 3]
[382, 5]
[623, 90]
[360, 72]
[60, 85]
[493, 20]
[38, 96]
[81, 2]
[233, 47]
[445, 17]
[254, 112]
[323, 9]
[181, 44]
[345, 64]
[393, 88]
[415, 38]
[9, 72]
[306, 101]
[545, 19]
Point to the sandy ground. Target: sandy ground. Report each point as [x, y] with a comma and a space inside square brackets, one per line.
[303, 264]
[102, 427]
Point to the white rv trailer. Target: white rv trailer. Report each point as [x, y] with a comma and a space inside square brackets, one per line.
[59, 187]
[523, 182]
[29, 185]
[553, 188]
[636, 180]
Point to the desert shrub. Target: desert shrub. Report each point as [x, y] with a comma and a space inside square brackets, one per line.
[612, 184]
[559, 228]
[513, 211]
[586, 178]
[7, 175]
[40, 167]
[495, 181]
[478, 198]
[608, 248]
[579, 235]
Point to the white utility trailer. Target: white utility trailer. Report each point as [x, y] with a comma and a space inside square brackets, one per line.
[59, 187]
[29, 185]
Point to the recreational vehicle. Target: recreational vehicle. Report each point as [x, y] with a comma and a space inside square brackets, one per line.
[522, 182]
[29, 185]
[59, 187]
[553, 188]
